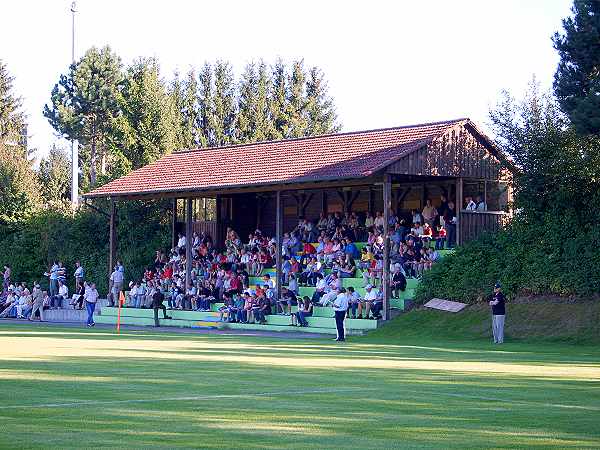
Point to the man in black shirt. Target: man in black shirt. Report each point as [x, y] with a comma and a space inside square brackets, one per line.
[157, 303]
[498, 313]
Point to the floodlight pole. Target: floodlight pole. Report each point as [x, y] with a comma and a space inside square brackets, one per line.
[74, 145]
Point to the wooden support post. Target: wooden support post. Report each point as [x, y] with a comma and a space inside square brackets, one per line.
[279, 242]
[323, 202]
[173, 223]
[112, 238]
[458, 206]
[371, 206]
[387, 203]
[188, 242]
[259, 204]
[423, 196]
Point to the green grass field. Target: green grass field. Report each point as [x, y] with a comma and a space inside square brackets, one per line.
[80, 388]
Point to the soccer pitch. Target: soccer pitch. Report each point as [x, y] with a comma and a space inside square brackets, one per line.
[82, 388]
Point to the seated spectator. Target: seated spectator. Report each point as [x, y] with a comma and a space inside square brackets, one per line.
[348, 268]
[353, 302]
[63, 294]
[287, 298]
[305, 309]
[367, 301]
[77, 299]
[351, 249]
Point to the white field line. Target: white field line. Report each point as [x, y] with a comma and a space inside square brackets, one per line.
[182, 399]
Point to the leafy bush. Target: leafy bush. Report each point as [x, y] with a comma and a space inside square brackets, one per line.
[30, 246]
[545, 257]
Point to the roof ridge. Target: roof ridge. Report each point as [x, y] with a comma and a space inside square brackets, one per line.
[345, 133]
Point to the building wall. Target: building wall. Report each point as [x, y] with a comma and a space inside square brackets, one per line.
[457, 153]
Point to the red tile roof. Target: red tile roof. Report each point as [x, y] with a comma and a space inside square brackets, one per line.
[327, 157]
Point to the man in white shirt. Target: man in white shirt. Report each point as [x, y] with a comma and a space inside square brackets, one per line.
[471, 206]
[182, 241]
[367, 301]
[353, 301]
[90, 297]
[340, 306]
[63, 293]
[78, 273]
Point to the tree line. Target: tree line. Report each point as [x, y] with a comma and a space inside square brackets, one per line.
[127, 117]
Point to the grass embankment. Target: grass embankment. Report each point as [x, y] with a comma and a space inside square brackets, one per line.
[528, 320]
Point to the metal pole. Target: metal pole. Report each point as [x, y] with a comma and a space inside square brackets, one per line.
[387, 203]
[74, 144]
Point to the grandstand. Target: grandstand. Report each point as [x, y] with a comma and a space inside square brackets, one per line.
[394, 170]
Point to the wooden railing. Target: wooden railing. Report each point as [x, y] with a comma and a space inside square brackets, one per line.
[472, 224]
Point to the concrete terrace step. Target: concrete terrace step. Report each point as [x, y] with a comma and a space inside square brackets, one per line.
[195, 319]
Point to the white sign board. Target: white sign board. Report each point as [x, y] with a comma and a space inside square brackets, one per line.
[445, 305]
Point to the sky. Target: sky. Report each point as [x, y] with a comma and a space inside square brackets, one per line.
[387, 63]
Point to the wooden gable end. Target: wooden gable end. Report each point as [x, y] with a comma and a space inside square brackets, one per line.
[459, 152]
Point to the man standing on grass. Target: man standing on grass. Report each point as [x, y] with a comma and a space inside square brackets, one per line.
[340, 306]
[498, 313]
[90, 297]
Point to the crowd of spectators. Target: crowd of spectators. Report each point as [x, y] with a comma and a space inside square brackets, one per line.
[18, 301]
[319, 254]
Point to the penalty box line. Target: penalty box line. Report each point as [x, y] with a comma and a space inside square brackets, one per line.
[183, 399]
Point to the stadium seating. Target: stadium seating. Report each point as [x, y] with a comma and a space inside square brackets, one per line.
[321, 322]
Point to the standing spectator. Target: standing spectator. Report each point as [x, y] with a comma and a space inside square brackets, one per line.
[398, 283]
[481, 206]
[116, 279]
[52, 275]
[440, 240]
[78, 274]
[91, 297]
[450, 224]
[38, 302]
[6, 278]
[498, 314]
[442, 209]
[340, 306]
[429, 213]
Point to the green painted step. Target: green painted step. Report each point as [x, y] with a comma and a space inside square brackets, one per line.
[146, 321]
[251, 326]
[325, 322]
[309, 291]
[149, 313]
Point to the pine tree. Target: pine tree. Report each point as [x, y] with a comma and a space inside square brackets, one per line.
[12, 119]
[223, 104]
[206, 107]
[296, 101]
[265, 128]
[320, 110]
[146, 128]
[278, 101]
[84, 105]
[247, 106]
[54, 176]
[577, 78]
[185, 99]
